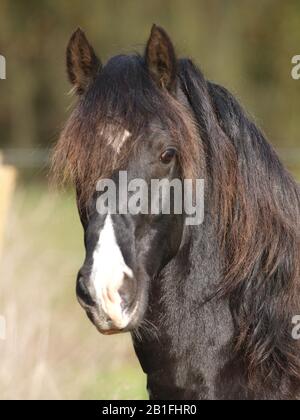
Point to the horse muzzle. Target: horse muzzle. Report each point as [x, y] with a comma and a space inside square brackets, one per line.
[111, 306]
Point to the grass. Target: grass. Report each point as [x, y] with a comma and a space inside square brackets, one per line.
[52, 351]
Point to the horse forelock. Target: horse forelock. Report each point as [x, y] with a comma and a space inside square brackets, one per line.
[105, 128]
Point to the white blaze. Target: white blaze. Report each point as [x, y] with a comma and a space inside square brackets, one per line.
[108, 272]
[117, 140]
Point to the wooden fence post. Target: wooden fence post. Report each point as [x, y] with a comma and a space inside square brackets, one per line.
[7, 184]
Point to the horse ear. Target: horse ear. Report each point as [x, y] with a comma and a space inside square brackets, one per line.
[161, 59]
[82, 62]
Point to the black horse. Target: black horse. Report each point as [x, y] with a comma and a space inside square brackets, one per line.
[209, 306]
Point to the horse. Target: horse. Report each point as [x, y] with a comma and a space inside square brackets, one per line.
[209, 306]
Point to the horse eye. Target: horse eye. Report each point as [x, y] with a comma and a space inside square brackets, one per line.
[168, 155]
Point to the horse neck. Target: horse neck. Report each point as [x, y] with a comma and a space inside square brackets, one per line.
[193, 330]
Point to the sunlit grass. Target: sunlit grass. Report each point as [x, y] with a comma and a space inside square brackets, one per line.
[52, 351]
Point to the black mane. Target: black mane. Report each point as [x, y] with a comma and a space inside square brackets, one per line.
[257, 209]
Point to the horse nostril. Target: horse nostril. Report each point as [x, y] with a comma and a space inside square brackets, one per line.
[127, 292]
[83, 292]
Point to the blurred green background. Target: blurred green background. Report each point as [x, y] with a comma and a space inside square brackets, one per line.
[52, 351]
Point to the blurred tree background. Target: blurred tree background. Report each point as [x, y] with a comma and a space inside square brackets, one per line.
[51, 349]
[245, 45]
